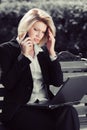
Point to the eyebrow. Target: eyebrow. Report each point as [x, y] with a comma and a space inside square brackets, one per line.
[41, 30]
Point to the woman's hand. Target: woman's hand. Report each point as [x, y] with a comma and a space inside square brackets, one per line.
[51, 43]
[27, 47]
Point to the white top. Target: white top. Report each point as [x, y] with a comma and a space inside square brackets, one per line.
[39, 89]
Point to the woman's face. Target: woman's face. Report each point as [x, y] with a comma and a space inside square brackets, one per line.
[37, 31]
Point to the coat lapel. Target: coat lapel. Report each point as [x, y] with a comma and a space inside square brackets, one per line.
[43, 65]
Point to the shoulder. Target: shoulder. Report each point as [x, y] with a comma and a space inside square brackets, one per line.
[10, 46]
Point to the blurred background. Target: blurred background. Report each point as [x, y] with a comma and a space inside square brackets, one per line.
[69, 16]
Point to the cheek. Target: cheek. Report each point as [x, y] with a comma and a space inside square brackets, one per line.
[31, 34]
[43, 35]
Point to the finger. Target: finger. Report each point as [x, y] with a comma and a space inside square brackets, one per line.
[50, 33]
[29, 43]
[26, 41]
[24, 38]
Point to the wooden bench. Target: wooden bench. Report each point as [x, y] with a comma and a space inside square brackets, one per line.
[73, 69]
[2, 92]
[70, 69]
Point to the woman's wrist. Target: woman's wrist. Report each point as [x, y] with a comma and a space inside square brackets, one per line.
[53, 56]
[52, 53]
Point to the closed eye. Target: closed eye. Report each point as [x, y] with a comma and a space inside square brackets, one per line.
[36, 29]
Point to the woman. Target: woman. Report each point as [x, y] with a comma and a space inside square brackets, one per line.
[29, 65]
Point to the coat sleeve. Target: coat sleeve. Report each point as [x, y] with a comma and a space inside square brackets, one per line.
[55, 71]
[11, 68]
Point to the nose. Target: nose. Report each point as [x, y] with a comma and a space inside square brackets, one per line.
[39, 35]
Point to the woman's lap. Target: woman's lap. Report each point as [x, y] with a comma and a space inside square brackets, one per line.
[33, 118]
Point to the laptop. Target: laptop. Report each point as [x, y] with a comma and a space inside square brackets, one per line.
[71, 92]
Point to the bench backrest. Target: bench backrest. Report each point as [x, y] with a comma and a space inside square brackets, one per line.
[73, 68]
[2, 92]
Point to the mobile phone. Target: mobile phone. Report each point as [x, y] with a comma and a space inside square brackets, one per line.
[27, 35]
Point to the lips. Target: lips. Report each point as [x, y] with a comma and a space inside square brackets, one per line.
[36, 40]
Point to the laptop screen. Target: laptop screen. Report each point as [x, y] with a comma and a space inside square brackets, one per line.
[72, 90]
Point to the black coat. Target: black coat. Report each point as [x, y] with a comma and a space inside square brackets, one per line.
[17, 79]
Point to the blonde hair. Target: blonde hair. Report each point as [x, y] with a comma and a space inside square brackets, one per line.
[33, 16]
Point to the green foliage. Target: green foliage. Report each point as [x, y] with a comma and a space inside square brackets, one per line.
[70, 19]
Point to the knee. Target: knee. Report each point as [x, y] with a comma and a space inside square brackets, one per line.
[71, 109]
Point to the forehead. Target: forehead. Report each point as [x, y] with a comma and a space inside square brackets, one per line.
[40, 25]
